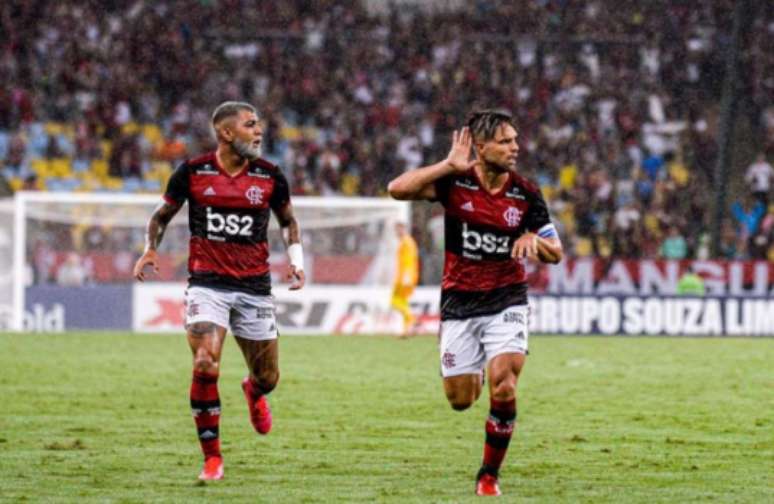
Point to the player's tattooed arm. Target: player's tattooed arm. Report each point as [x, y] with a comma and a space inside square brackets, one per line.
[154, 232]
[157, 224]
[291, 231]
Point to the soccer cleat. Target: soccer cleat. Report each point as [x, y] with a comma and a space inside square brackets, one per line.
[487, 485]
[260, 413]
[212, 470]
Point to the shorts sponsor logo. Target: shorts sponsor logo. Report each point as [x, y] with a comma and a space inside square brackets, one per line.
[512, 216]
[193, 309]
[264, 313]
[448, 360]
[254, 195]
[513, 317]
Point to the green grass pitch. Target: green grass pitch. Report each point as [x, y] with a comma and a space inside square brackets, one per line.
[104, 417]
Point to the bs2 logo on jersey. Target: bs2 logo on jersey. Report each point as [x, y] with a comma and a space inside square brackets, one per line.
[489, 243]
[231, 224]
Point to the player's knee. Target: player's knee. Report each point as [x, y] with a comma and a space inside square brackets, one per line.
[267, 380]
[505, 389]
[461, 404]
[205, 362]
[460, 401]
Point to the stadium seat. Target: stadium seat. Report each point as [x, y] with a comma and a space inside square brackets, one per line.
[5, 140]
[153, 186]
[107, 148]
[99, 168]
[583, 247]
[132, 184]
[61, 167]
[37, 140]
[54, 128]
[113, 183]
[130, 128]
[16, 183]
[40, 167]
[152, 133]
[80, 166]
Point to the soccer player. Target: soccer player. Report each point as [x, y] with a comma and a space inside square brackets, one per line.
[230, 193]
[406, 276]
[494, 220]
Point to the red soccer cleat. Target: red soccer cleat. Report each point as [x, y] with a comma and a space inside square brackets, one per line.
[260, 413]
[487, 485]
[212, 470]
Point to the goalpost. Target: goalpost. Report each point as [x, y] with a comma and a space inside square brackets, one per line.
[84, 242]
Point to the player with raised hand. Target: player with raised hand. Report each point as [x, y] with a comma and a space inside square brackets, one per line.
[230, 193]
[494, 219]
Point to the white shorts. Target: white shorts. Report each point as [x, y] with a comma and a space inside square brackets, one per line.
[467, 345]
[247, 315]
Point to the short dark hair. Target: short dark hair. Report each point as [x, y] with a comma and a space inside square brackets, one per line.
[229, 109]
[483, 123]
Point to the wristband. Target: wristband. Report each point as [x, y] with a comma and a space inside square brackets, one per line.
[296, 255]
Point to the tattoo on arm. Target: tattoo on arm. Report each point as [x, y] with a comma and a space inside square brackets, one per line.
[291, 231]
[157, 224]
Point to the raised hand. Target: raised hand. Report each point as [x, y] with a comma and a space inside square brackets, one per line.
[459, 154]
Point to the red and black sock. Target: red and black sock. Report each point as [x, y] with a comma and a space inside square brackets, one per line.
[205, 406]
[499, 429]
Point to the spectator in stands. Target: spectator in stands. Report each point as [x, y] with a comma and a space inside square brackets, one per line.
[119, 89]
[674, 245]
[759, 175]
[748, 215]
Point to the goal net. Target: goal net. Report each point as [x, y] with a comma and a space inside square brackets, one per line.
[73, 254]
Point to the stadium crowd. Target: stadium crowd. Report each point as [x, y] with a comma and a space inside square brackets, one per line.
[617, 107]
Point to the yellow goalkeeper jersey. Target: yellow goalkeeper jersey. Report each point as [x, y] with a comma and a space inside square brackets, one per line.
[408, 262]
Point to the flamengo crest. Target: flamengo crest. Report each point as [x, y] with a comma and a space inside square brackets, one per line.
[512, 216]
[254, 195]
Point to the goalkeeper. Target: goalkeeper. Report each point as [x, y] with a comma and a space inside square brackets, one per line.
[406, 277]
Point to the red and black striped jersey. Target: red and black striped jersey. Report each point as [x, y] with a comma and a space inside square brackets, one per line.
[480, 277]
[228, 216]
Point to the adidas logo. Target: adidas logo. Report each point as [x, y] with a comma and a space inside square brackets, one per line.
[209, 191]
[208, 434]
[468, 207]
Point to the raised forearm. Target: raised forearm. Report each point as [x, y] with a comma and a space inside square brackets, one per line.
[417, 184]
